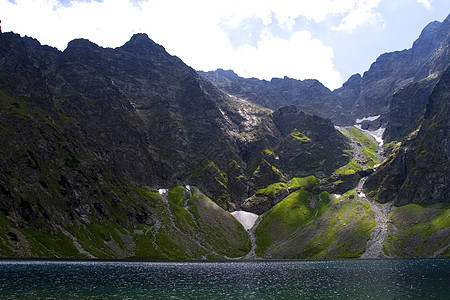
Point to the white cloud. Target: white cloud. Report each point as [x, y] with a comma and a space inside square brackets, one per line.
[365, 12]
[191, 30]
[425, 3]
[299, 57]
[108, 23]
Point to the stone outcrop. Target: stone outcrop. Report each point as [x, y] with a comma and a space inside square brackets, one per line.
[417, 172]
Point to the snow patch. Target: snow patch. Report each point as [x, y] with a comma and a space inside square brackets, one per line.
[377, 134]
[373, 118]
[247, 219]
[162, 191]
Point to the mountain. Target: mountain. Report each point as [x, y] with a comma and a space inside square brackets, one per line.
[130, 153]
[308, 95]
[418, 171]
[89, 136]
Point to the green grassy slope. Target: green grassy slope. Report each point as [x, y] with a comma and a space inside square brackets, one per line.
[368, 146]
[419, 230]
[307, 225]
[185, 225]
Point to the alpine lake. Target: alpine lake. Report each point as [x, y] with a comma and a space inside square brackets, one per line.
[286, 279]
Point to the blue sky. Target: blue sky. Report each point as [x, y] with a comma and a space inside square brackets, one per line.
[328, 40]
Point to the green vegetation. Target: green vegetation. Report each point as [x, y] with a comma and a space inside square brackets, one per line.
[349, 223]
[268, 151]
[96, 238]
[176, 201]
[390, 147]
[48, 245]
[299, 136]
[368, 146]
[274, 188]
[299, 227]
[218, 228]
[5, 250]
[303, 182]
[188, 225]
[351, 168]
[287, 216]
[421, 231]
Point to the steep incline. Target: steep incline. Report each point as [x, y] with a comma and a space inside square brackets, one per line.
[379, 236]
[418, 170]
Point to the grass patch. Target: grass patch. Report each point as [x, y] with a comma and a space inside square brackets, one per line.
[281, 220]
[176, 201]
[95, 236]
[418, 227]
[368, 146]
[304, 182]
[221, 231]
[300, 136]
[269, 152]
[348, 227]
[145, 248]
[150, 197]
[272, 189]
[173, 250]
[351, 168]
[48, 245]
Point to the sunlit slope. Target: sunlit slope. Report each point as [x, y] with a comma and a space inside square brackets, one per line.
[307, 225]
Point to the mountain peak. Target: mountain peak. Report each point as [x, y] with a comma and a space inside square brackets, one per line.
[140, 42]
[140, 37]
[76, 43]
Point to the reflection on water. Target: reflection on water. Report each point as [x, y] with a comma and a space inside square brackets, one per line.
[331, 279]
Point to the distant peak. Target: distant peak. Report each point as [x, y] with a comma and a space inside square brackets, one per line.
[140, 42]
[139, 37]
[227, 73]
[77, 43]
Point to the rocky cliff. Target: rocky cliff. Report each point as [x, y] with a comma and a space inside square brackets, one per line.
[429, 54]
[418, 170]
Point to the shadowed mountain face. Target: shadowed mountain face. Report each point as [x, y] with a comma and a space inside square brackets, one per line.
[90, 122]
[418, 171]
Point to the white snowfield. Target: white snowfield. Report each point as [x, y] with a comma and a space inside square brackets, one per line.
[373, 118]
[377, 134]
[247, 219]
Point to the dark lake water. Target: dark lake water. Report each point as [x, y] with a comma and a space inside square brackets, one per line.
[292, 279]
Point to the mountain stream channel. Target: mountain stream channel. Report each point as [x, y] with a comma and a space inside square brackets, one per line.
[374, 246]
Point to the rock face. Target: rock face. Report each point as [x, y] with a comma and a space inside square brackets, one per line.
[392, 71]
[305, 147]
[407, 108]
[418, 171]
[83, 127]
[309, 95]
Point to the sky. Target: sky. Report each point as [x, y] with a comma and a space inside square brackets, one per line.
[328, 40]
